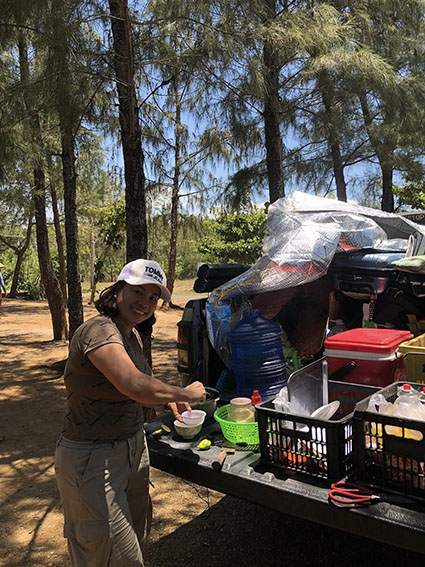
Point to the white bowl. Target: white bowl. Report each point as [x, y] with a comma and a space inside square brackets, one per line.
[327, 411]
[187, 431]
[194, 417]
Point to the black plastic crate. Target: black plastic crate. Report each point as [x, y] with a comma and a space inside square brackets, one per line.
[389, 451]
[314, 447]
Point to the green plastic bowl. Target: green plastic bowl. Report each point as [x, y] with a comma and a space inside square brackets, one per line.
[234, 432]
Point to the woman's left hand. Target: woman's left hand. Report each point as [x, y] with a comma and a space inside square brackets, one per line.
[177, 408]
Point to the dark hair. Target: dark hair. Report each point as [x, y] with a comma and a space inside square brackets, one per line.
[107, 304]
[145, 327]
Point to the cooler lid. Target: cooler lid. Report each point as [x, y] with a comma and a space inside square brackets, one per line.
[366, 259]
[368, 340]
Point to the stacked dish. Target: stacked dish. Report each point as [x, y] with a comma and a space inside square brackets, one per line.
[192, 425]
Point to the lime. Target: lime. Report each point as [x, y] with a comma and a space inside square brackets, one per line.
[166, 430]
[204, 445]
[157, 434]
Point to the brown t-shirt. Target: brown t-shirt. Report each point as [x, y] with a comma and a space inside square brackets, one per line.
[96, 410]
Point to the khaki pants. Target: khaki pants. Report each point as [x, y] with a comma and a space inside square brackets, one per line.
[105, 495]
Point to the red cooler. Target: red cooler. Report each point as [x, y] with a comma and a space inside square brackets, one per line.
[373, 350]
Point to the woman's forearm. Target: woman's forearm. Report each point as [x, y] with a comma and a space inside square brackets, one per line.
[114, 363]
[152, 392]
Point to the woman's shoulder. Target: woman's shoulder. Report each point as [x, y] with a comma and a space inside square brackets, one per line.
[98, 320]
[97, 325]
[95, 332]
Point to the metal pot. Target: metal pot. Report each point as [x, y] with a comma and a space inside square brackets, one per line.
[210, 404]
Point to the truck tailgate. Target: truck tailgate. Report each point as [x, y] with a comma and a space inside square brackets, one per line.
[244, 476]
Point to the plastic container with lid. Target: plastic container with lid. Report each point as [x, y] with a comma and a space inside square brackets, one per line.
[375, 352]
[241, 410]
[414, 359]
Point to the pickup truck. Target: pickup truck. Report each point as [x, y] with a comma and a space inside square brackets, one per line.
[245, 476]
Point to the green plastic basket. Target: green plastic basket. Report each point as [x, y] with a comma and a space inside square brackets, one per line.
[237, 432]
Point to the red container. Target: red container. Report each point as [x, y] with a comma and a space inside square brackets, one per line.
[373, 350]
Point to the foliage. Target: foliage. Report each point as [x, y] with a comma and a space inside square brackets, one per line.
[190, 231]
[411, 194]
[187, 258]
[234, 237]
[112, 224]
[349, 79]
[31, 285]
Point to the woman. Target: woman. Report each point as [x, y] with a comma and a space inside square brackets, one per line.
[101, 460]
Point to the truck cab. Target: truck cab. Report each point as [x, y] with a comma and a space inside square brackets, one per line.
[362, 281]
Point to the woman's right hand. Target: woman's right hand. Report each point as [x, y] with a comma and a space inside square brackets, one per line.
[197, 392]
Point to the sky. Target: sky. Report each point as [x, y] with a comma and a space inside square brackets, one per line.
[355, 178]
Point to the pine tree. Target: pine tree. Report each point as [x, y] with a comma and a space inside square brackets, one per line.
[135, 199]
[393, 113]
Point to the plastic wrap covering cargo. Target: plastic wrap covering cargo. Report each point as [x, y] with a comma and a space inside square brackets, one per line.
[304, 234]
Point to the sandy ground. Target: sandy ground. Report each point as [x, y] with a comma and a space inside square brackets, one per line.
[192, 526]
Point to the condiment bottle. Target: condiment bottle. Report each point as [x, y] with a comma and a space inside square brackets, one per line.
[256, 398]
[241, 410]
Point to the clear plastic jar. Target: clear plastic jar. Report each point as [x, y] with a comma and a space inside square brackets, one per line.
[241, 410]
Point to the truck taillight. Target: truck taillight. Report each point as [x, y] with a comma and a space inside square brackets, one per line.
[183, 360]
[182, 336]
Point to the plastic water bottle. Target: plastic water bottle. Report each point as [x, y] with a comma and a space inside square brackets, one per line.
[258, 361]
[377, 403]
[407, 403]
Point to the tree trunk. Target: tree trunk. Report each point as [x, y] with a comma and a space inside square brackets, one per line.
[135, 199]
[338, 167]
[385, 153]
[172, 257]
[20, 253]
[16, 272]
[387, 203]
[67, 121]
[50, 283]
[93, 281]
[75, 297]
[58, 233]
[135, 202]
[326, 89]
[48, 278]
[273, 140]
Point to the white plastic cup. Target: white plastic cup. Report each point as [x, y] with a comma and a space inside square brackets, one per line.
[194, 417]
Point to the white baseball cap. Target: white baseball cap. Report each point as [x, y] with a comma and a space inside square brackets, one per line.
[139, 272]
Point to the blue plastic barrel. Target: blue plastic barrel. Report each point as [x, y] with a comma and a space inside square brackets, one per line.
[257, 355]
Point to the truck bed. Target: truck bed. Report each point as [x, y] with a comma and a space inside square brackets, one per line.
[244, 476]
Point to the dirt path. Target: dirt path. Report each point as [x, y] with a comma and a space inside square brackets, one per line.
[192, 526]
[31, 408]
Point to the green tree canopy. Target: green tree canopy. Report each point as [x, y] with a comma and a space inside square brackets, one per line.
[234, 237]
